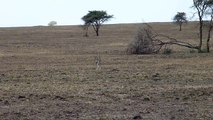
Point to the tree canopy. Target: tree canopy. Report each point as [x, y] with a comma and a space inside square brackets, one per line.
[180, 18]
[96, 19]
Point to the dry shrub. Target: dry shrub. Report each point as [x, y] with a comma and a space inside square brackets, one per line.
[145, 42]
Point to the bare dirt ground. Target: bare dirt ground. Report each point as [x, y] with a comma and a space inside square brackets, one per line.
[49, 73]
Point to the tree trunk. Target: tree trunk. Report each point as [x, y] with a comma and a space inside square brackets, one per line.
[207, 46]
[180, 27]
[201, 36]
[86, 32]
[208, 39]
[96, 29]
[97, 32]
[209, 33]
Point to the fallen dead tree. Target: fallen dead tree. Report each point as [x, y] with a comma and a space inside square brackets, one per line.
[147, 41]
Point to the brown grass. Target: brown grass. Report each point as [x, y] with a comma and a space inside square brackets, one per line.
[50, 73]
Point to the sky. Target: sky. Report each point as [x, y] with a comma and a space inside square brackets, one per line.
[69, 12]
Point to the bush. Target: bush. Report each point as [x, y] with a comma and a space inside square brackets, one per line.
[167, 51]
[52, 23]
[144, 42]
[192, 51]
[204, 51]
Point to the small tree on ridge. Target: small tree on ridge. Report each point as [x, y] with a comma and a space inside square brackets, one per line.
[180, 18]
[52, 23]
[96, 19]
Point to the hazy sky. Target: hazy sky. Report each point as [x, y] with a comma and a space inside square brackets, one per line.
[69, 12]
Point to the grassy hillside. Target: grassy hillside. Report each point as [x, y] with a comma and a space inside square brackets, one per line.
[50, 73]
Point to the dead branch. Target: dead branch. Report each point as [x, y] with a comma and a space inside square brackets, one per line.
[147, 41]
[173, 41]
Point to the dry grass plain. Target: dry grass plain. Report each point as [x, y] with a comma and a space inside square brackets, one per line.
[49, 73]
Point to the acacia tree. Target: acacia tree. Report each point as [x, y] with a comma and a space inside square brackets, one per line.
[204, 9]
[210, 25]
[201, 7]
[179, 19]
[96, 19]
